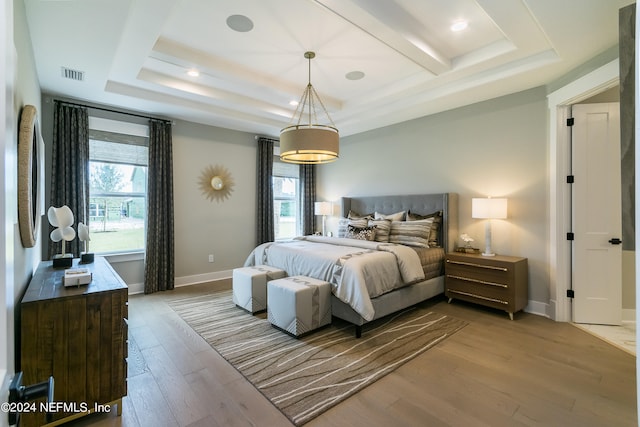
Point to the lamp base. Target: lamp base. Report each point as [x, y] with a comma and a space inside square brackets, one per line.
[86, 258]
[62, 261]
[488, 254]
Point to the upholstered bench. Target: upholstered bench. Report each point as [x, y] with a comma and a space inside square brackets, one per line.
[298, 304]
[250, 286]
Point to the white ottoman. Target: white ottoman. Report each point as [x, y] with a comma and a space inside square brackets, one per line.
[250, 286]
[298, 304]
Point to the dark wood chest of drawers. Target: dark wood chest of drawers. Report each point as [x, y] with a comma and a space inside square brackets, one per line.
[77, 334]
[499, 281]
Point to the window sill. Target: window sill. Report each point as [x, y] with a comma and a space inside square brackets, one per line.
[122, 256]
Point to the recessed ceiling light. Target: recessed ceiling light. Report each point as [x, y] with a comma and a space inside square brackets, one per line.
[459, 25]
[240, 23]
[193, 73]
[354, 75]
[293, 103]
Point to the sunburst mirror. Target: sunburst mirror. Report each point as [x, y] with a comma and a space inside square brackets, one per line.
[216, 183]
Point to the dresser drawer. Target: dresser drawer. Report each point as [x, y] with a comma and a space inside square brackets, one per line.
[498, 282]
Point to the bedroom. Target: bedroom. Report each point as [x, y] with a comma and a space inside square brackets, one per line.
[479, 160]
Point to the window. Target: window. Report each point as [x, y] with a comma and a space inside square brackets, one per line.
[118, 160]
[286, 199]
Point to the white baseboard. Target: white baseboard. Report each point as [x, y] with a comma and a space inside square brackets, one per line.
[138, 288]
[538, 308]
[628, 314]
[203, 278]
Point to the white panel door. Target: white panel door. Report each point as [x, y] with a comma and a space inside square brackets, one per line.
[597, 218]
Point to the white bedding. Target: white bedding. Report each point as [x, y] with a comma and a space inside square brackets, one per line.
[358, 270]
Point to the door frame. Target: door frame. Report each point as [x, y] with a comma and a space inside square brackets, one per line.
[559, 104]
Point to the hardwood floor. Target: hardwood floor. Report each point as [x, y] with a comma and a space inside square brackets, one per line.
[494, 372]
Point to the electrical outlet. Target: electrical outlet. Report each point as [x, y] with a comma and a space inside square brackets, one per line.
[210, 257]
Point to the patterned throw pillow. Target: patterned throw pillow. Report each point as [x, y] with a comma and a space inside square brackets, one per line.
[364, 233]
[411, 233]
[354, 219]
[345, 222]
[383, 227]
[434, 233]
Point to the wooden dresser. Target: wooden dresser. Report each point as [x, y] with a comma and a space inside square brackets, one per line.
[78, 335]
[499, 281]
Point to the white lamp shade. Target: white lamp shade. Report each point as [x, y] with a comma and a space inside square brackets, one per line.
[488, 208]
[323, 208]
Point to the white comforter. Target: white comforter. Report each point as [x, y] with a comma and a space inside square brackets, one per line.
[357, 270]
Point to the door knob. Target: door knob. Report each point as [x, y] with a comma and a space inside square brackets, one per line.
[615, 241]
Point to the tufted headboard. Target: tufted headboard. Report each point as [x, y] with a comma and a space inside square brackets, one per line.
[417, 203]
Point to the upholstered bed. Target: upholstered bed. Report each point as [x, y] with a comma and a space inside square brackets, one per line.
[373, 278]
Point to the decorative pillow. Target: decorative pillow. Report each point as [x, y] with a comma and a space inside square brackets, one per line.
[344, 222]
[356, 215]
[383, 227]
[364, 233]
[398, 216]
[435, 227]
[412, 216]
[342, 226]
[411, 233]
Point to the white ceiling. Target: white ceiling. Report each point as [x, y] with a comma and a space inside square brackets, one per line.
[135, 54]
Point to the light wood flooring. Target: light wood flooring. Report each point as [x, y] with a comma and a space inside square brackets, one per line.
[494, 372]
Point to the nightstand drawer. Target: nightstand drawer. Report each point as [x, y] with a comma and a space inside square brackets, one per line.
[496, 297]
[500, 273]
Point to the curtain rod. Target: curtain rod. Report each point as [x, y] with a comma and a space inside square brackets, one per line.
[75, 104]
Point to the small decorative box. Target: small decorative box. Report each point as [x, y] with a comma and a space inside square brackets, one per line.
[77, 277]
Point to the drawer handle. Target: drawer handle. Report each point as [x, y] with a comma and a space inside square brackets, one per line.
[482, 282]
[471, 264]
[480, 297]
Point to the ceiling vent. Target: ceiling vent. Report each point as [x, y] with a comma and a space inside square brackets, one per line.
[69, 73]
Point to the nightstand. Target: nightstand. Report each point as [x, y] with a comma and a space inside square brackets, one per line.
[499, 281]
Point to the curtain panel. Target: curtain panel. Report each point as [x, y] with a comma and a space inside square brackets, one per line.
[265, 229]
[70, 168]
[308, 196]
[159, 268]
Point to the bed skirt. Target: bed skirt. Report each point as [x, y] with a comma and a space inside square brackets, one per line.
[390, 302]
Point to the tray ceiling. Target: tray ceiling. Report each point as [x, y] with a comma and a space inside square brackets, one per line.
[137, 54]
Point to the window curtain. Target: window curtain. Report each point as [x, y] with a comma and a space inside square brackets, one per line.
[70, 168]
[265, 229]
[159, 252]
[308, 197]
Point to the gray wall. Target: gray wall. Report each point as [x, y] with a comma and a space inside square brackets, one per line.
[26, 90]
[494, 148]
[226, 228]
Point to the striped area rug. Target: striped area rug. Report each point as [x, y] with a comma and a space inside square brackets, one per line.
[305, 377]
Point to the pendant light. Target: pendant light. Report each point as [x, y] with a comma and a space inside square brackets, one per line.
[309, 142]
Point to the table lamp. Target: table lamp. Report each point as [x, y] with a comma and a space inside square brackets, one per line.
[488, 209]
[324, 209]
